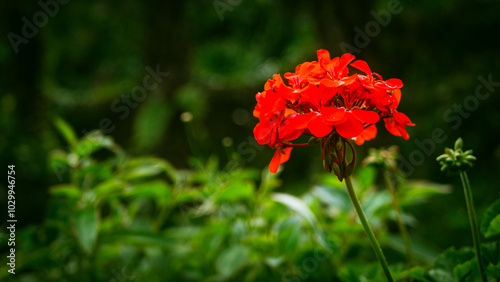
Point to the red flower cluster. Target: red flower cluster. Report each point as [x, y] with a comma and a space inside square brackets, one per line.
[322, 99]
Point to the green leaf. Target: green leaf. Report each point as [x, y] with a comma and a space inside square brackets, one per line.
[451, 258]
[492, 212]
[108, 187]
[376, 202]
[440, 275]
[93, 142]
[189, 195]
[237, 190]
[463, 270]
[335, 198]
[274, 262]
[459, 144]
[416, 273]
[157, 189]
[66, 131]
[142, 172]
[300, 207]
[494, 228]
[296, 205]
[493, 270]
[58, 160]
[136, 238]
[231, 260]
[147, 167]
[86, 223]
[354, 271]
[417, 192]
[420, 250]
[366, 176]
[66, 190]
[288, 236]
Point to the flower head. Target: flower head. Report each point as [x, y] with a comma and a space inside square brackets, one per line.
[454, 161]
[323, 101]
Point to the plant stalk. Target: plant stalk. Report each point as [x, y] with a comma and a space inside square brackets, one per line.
[399, 217]
[368, 230]
[473, 222]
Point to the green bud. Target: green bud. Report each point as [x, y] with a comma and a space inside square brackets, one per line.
[458, 144]
[441, 158]
[456, 161]
[470, 158]
[336, 168]
[468, 152]
[327, 166]
[349, 169]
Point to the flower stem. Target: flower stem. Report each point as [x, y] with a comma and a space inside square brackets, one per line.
[368, 230]
[473, 222]
[296, 145]
[399, 217]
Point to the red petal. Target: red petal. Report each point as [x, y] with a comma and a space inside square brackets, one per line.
[394, 82]
[318, 126]
[285, 154]
[351, 127]
[323, 55]
[362, 66]
[395, 129]
[293, 126]
[349, 80]
[333, 115]
[397, 98]
[365, 116]
[262, 132]
[331, 83]
[368, 134]
[299, 121]
[402, 119]
[310, 94]
[325, 92]
[275, 162]
[280, 156]
[345, 60]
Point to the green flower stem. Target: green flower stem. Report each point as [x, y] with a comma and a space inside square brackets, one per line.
[368, 230]
[473, 222]
[399, 217]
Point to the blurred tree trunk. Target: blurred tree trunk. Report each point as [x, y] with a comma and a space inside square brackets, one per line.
[167, 42]
[25, 145]
[336, 21]
[166, 48]
[22, 74]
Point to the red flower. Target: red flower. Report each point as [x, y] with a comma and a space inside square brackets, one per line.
[368, 134]
[397, 124]
[324, 101]
[280, 156]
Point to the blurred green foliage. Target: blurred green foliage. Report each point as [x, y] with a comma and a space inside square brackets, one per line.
[91, 55]
[139, 218]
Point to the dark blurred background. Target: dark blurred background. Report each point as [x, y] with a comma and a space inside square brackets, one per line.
[85, 60]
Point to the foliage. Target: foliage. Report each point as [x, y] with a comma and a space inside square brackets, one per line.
[139, 218]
